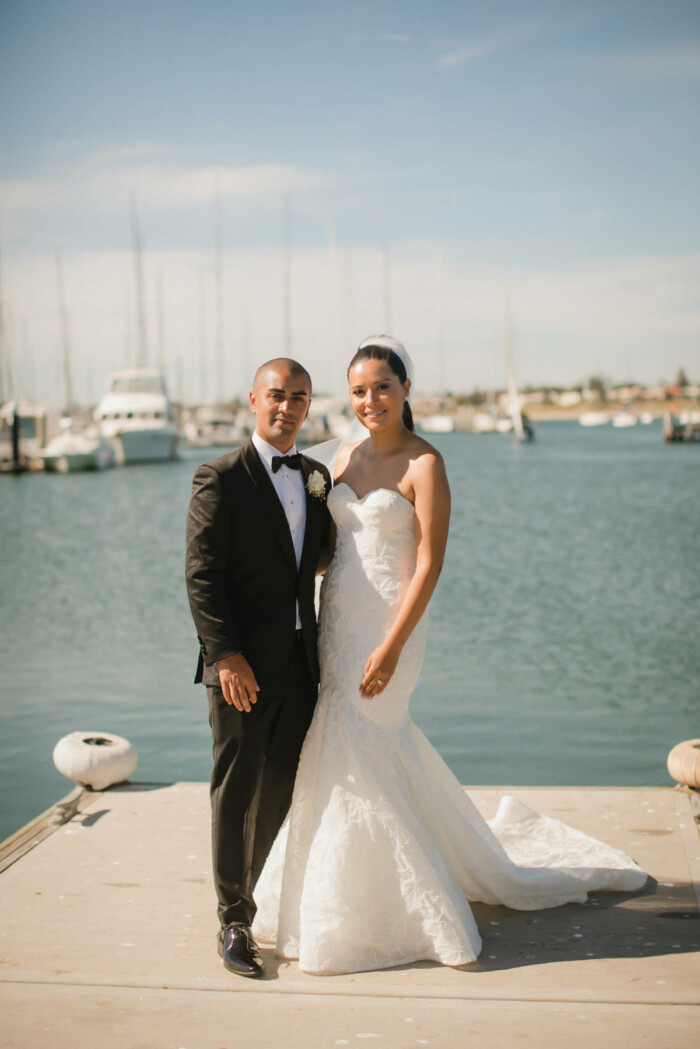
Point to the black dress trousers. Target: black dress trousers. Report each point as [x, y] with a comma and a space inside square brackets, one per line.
[255, 762]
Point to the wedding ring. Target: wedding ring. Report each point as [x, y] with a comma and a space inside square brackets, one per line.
[380, 681]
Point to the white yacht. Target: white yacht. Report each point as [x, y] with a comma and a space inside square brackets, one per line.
[137, 418]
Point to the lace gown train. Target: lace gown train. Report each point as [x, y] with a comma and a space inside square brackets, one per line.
[382, 849]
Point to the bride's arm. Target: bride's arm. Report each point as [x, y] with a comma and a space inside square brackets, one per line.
[432, 503]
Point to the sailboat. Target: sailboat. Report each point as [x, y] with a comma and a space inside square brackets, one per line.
[77, 446]
[520, 424]
[439, 421]
[22, 424]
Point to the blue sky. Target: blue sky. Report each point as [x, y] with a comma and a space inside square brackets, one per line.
[458, 151]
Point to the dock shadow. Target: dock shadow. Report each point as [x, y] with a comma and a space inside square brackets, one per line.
[89, 819]
[608, 925]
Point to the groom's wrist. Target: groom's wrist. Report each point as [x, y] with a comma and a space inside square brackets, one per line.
[217, 652]
[231, 655]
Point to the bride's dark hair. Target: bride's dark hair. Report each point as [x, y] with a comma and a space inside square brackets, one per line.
[383, 353]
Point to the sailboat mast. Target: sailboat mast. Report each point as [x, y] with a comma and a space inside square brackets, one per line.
[160, 317]
[142, 341]
[219, 291]
[11, 373]
[287, 277]
[30, 383]
[335, 305]
[349, 297]
[65, 340]
[247, 351]
[513, 396]
[440, 321]
[387, 290]
[202, 343]
[128, 329]
[4, 353]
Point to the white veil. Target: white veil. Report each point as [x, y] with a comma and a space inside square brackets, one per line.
[327, 451]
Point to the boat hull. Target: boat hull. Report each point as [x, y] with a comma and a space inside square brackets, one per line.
[437, 424]
[71, 451]
[145, 446]
[594, 419]
[624, 420]
[72, 462]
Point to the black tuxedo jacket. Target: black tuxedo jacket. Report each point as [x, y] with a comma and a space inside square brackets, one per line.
[242, 577]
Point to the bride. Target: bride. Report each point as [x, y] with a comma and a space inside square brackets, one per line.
[382, 849]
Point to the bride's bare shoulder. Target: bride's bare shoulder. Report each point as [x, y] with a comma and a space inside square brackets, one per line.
[426, 463]
[421, 451]
[344, 455]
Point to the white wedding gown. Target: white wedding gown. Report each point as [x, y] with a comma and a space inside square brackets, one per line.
[382, 848]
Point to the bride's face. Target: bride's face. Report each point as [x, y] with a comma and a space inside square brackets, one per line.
[377, 394]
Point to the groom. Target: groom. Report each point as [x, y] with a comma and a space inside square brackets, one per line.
[256, 526]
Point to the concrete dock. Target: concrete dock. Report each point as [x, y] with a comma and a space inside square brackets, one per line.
[108, 925]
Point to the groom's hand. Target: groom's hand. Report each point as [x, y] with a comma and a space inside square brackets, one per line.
[238, 682]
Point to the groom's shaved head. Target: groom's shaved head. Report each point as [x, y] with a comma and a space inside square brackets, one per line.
[295, 370]
[280, 400]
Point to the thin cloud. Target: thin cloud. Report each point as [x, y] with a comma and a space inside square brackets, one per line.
[679, 61]
[103, 179]
[133, 153]
[459, 54]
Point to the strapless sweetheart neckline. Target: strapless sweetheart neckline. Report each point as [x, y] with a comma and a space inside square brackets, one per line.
[361, 498]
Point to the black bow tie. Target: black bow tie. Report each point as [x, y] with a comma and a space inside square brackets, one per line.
[292, 461]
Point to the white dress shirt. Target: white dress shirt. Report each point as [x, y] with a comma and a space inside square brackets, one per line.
[289, 485]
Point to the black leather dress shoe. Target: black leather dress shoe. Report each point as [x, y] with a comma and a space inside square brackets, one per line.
[239, 951]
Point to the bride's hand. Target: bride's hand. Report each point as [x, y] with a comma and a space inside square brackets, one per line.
[379, 670]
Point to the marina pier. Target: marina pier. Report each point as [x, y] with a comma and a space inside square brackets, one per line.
[108, 939]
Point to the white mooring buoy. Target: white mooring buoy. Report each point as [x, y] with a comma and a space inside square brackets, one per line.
[95, 759]
[684, 763]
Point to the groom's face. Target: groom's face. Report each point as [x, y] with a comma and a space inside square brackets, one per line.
[280, 401]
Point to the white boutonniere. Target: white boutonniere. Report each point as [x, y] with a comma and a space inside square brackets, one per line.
[316, 485]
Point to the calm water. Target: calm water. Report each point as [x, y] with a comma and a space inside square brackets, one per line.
[562, 645]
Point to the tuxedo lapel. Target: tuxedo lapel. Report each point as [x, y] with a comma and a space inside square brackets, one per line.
[269, 496]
